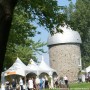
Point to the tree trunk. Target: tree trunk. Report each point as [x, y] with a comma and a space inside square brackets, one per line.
[6, 14]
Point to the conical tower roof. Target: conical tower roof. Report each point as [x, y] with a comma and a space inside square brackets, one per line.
[67, 36]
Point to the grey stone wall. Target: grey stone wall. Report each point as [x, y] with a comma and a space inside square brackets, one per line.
[65, 58]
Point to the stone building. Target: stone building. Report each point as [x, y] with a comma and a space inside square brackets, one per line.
[65, 53]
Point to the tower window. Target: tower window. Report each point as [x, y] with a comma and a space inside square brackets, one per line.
[79, 62]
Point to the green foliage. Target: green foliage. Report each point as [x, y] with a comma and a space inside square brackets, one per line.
[78, 17]
[46, 13]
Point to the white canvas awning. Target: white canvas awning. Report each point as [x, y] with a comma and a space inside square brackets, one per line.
[88, 69]
[45, 68]
[18, 68]
[32, 67]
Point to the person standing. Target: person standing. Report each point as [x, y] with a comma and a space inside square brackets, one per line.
[37, 81]
[13, 84]
[34, 84]
[7, 85]
[21, 83]
[46, 82]
[66, 81]
[61, 82]
[30, 84]
[41, 84]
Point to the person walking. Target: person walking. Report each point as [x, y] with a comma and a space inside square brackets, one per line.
[66, 81]
[21, 83]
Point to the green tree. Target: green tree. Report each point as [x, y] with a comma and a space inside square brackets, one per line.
[6, 12]
[20, 42]
[78, 17]
[45, 11]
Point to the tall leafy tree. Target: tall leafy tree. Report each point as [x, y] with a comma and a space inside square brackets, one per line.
[6, 12]
[20, 42]
[45, 11]
[78, 17]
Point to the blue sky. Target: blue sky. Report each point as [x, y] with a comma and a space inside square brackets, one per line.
[44, 34]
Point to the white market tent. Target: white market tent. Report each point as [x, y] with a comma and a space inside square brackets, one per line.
[32, 67]
[18, 68]
[88, 69]
[46, 68]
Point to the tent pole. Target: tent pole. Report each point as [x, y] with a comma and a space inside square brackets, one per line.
[51, 84]
[25, 83]
[2, 81]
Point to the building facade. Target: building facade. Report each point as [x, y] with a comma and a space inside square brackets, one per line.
[65, 53]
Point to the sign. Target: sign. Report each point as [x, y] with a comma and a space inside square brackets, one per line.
[10, 73]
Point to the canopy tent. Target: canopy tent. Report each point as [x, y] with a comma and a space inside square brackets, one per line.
[45, 68]
[88, 69]
[32, 67]
[18, 68]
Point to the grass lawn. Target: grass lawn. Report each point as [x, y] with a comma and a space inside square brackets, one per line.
[76, 86]
[80, 85]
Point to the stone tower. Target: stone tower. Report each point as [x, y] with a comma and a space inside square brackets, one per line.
[65, 53]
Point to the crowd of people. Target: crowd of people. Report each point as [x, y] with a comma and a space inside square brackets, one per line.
[31, 83]
[85, 77]
[36, 83]
[61, 82]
